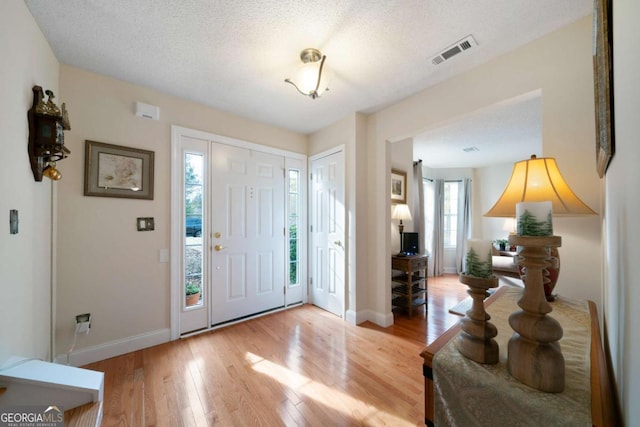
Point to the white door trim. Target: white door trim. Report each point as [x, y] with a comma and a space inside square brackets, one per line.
[235, 142]
[326, 153]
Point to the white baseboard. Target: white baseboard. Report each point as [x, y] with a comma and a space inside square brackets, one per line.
[115, 348]
[358, 317]
[450, 270]
[352, 317]
[382, 319]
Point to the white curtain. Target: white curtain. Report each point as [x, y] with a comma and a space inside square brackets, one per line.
[464, 222]
[418, 205]
[429, 188]
[437, 253]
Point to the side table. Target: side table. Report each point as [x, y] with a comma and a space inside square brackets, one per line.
[409, 282]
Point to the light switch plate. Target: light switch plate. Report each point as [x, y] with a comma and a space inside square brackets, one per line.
[145, 224]
[13, 221]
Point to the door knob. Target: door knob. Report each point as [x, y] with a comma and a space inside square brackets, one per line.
[218, 248]
[338, 243]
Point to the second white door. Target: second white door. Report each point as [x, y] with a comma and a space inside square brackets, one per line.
[327, 257]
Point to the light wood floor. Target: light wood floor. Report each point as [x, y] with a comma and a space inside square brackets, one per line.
[301, 367]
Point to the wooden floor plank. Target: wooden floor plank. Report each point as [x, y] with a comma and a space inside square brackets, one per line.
[300, 367]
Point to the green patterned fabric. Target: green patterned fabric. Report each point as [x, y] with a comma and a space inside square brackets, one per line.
[471, 394]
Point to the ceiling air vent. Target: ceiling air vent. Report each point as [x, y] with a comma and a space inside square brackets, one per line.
[470, 149]
[451, 51]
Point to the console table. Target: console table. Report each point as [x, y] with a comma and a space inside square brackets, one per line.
[409, 286]
[599, 405]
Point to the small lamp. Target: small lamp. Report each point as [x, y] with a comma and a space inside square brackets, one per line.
[538, 180]
[312, 78]
[402, 213]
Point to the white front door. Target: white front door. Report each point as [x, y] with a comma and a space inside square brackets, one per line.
[327, 257]
[247, 232]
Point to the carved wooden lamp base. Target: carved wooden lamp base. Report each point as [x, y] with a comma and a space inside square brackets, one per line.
[534, 355]
[476, 339]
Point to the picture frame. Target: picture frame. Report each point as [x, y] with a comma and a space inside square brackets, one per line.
[117, 171]
[398, 186]
[603, 83]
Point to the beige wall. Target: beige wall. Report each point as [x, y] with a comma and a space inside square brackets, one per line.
[488, 186]
[105, 266]
[622, 204]
[559, 65]
[25, 258]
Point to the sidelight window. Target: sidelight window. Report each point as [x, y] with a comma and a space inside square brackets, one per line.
[193, 226]
[294, 226]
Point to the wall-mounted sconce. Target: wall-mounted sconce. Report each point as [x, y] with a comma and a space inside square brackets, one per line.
[47, 124]
[51, 172]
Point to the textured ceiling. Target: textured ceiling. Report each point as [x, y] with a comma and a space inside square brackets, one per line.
[234, 55]
[502, 133]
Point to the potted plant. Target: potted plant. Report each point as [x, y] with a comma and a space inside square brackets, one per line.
[193, 294]
[501, 243]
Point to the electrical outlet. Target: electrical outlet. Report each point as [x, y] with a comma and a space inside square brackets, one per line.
[83, 323]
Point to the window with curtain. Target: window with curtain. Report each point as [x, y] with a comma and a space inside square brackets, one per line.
[450, 212]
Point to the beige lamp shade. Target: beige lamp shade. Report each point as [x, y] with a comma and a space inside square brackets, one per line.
[401, 212]
[538, 180]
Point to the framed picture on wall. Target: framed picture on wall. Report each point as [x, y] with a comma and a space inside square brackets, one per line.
[117, 171]
[603, 83]
[398, 186]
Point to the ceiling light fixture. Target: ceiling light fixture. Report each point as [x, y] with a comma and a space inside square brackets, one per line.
[312, 77]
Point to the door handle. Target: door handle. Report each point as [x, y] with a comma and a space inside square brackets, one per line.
[338, 243]
[218, 248]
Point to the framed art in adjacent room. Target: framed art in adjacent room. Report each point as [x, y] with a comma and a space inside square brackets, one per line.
[398, 186]
[117, 171]
[603, 83]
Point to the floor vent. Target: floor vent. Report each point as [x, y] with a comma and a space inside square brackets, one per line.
[460, 46]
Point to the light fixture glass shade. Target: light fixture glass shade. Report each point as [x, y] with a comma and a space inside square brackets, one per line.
[401, 212]
[538, 180]
[313, 76]
[306, 78]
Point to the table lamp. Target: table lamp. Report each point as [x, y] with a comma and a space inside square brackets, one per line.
[402, 213]
[535, 192]
[537, 180]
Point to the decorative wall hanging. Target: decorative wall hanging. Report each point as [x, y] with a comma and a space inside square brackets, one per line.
[398, 186]
[117, 171]
[603, 83]
[47, 124]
